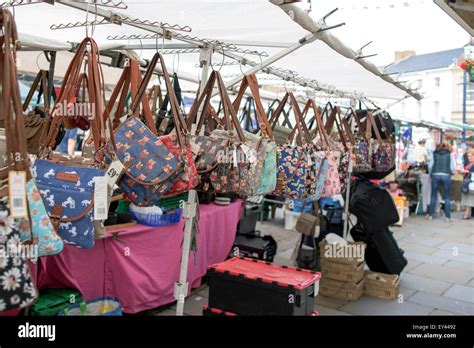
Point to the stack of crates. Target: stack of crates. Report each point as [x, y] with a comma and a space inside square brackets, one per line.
[342, 270]
[242, 286]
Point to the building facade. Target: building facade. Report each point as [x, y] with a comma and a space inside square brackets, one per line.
[439, 79]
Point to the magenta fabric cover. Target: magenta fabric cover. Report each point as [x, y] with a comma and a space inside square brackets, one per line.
[141, 266]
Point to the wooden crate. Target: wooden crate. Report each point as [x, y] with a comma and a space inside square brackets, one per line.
[341, 290]
[344, 272]
[381, 285]
[348, 249]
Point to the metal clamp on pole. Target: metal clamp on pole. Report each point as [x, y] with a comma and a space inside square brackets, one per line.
[359, 54]
[180, 291]
[189, 210]
[323, 25]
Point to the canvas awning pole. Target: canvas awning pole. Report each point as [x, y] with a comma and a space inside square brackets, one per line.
[304, 20]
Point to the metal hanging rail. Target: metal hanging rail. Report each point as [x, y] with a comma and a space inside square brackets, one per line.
[105, 3]
[119, 20]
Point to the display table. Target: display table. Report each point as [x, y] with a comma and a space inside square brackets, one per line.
[142, 264]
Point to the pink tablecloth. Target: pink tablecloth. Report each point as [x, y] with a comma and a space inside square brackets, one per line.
[141, 267]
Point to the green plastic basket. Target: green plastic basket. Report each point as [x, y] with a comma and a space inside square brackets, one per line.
[173, 203]
[53, 301]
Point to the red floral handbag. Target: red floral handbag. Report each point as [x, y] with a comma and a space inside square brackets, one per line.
[221, 160]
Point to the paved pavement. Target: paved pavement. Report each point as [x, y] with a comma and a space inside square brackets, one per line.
[438, 280]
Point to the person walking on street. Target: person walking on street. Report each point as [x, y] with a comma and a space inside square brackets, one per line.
[441, 167]
[467, 199]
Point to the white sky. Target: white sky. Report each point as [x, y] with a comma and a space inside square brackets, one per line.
[393, 25]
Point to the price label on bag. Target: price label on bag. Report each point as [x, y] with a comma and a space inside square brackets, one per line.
[100, 198]
[114, 172]
[248, 153]
[17, 194]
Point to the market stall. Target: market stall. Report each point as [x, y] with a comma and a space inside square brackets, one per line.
[141, 145]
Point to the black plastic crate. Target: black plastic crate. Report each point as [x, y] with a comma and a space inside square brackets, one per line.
[254, 246]
[252, 287]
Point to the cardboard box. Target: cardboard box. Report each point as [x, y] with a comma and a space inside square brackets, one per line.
[341, 290]
[343, 272]
[353, 253]
[381, 285]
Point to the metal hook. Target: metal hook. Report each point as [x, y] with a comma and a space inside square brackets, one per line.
[240, 64]
[359, 54]
[323, 25]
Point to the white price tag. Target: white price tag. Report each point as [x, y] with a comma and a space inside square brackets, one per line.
[249, 153]
[114, 172]
[17, 194]
[234, 157]
[195, 148]
[100, 198]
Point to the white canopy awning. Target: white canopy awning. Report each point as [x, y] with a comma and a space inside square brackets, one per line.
[226, 20]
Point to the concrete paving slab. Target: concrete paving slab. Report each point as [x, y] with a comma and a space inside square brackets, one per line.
[419, 248]
[461, 265]
[437, 260]
[440, 312]
[329, 302]
[458, 247]
[194, 305]
[448, 274]
[429, 242]
[412, 263]
[460, 292]
[443, 303]
[421, 283]
[367, 305]
[451, 255]
[323, 311]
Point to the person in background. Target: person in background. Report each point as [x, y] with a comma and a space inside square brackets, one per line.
[68, 144]
[441, 167]
[421, 153]
[467, 199]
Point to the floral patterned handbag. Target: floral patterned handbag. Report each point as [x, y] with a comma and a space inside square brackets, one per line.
[152, 164]
[262, 173]
[221, 161]
[362, 145]
[296, 172]
[17, 289]
[316, 179]
[383, 158]
[332, 185]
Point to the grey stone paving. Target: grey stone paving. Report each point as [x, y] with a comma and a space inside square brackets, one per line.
[438, 280]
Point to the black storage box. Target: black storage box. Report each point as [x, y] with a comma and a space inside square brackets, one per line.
[249, 219]
[253, 287]
[254, 247]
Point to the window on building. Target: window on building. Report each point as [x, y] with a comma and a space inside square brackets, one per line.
[437, 81]
[470, 92]
[436, 109]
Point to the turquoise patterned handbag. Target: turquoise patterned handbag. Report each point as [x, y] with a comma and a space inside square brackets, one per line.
[264, 171]
[43, 232]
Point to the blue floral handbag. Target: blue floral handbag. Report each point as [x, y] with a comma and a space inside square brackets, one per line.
[68, 192]
[150, 167]
[291, 182]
